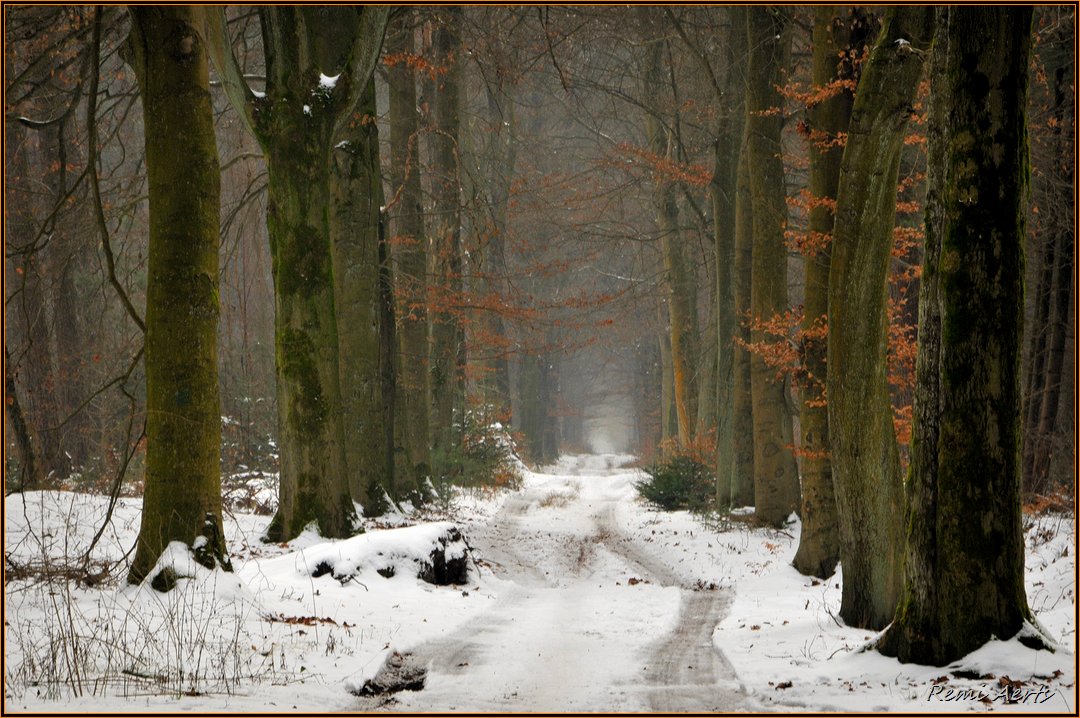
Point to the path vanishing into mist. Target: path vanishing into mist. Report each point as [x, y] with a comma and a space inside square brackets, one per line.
[586, 619]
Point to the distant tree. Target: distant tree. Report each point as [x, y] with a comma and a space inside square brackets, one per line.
[661, 144]
[863, 448]
[726, 80]
[964, 554]
[1048, 383]
[183, 480]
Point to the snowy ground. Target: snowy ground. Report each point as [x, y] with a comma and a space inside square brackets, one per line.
[582, 599]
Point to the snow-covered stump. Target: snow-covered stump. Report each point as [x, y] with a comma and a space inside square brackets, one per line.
[400, 672]
[436, 553]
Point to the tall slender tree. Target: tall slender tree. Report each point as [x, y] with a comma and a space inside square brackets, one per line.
[410, 247]
[776, 477]
[864, 454]
[838, 40]
[357, 252]
[183, 444]
[678, 272]
[447, 336]
[742, 471]
[964, 556]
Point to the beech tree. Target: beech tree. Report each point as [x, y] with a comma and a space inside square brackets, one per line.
[679, 275]
[964, 552]
[838, 44]
[182, 498]
[776, 477]
[447, 337]
[319, 61]
[410, 246]
[865, 459]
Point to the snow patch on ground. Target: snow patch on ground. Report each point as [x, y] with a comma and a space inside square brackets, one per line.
[271, 637]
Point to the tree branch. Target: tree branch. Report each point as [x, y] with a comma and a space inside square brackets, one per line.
[91, 164]
[215, 30]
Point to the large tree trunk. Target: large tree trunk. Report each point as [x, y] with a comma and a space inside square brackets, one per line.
[844, 38]
[319, 61]
[314, 482]
[865, 459]
[447, 336]
[410, 250]
[742, 473]
[367, 408]
[183, 424]
[776, 477]
[964, 560]
[727, 159]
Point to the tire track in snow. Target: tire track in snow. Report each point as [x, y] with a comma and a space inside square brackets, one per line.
[489, 664]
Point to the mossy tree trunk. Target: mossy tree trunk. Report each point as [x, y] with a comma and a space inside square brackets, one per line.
[183, 412]
[410, 252]
[836, 39]
[742, 422]
[865, 459]
[357, 251]
[447, 336]
[964, 557]
[319, 61]
[314, 483]
[776, 478]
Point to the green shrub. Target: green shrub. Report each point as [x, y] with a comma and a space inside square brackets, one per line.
[678, 483]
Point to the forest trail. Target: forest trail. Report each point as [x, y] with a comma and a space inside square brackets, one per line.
[586, 619]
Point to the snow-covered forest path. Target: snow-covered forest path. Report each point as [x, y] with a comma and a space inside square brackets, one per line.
[586, 619]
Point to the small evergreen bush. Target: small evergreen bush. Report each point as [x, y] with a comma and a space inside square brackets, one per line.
[678, 483]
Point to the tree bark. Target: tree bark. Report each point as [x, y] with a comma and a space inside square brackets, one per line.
[776, 477]
[727, 160]
[31, 475]
[964, 557]
[669, 423]
[447, 337]
[411, 254]
[367, 406]
[297, 121]
[183, 425]
[834, 37]
[865, 458]
[742, 474]
[501, 159]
